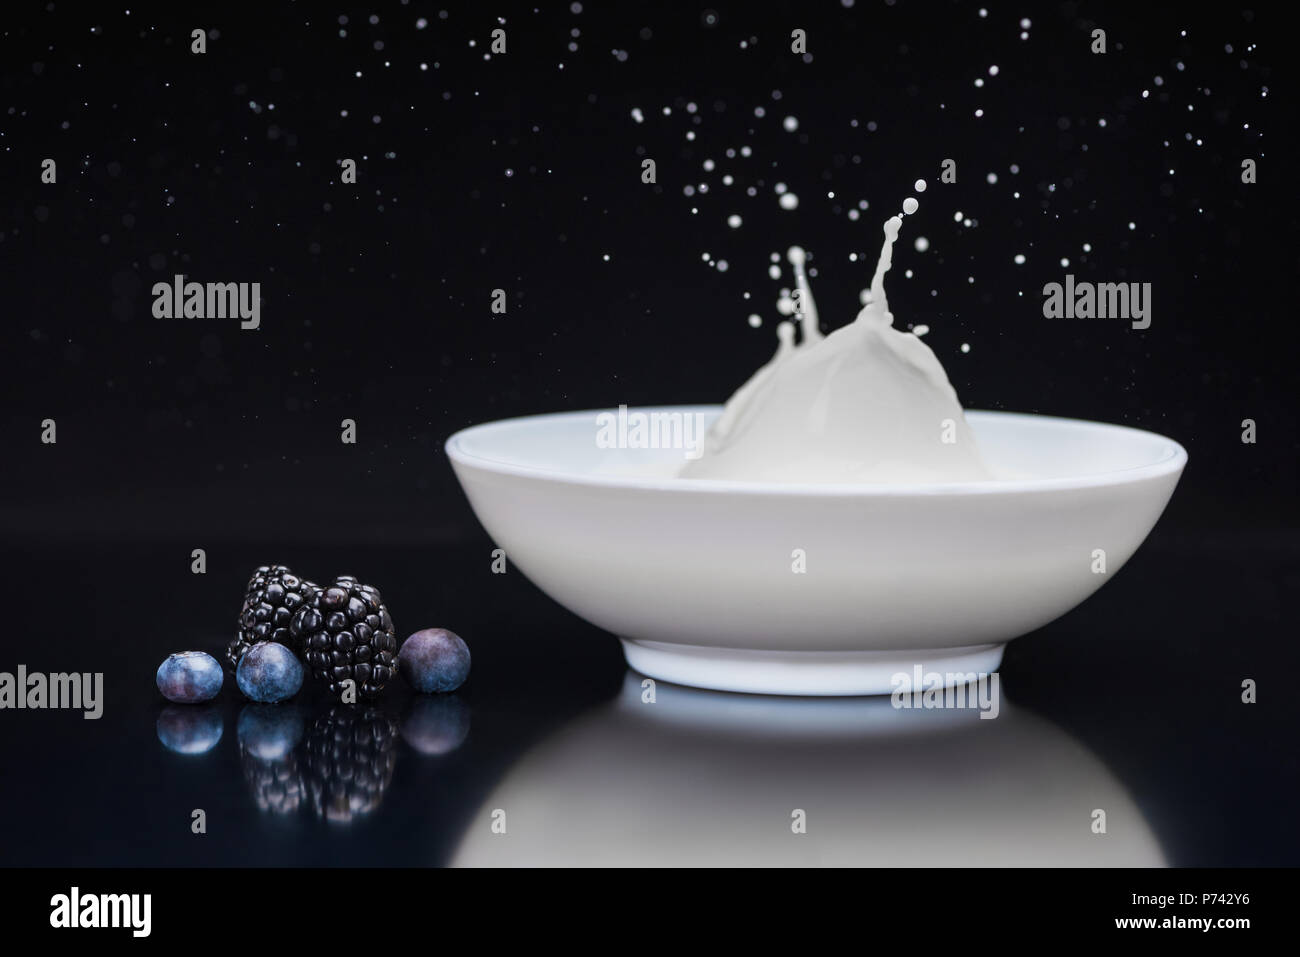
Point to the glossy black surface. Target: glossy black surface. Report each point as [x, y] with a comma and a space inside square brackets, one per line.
[1144, 676]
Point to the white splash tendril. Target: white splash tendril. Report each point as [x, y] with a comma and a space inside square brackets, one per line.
[806, 307]
[877, 305]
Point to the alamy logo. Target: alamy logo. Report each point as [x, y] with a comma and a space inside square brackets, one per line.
[179, 299]
[932, 689]
[651, 430]
[75, 909]
[1098, 300]
[36, 691]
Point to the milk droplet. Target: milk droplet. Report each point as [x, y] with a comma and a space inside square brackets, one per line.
[920, 330]
[790, 123]
[921, 244]
[755, 320]
[991, 178]
[919, 186]
[774, 272]
[788, 200]
[796, 255]
[910, 205]
[965, 347]
[1020, 259]
[734, 221]
[638, 115]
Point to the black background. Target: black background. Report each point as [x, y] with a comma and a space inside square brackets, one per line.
[513, 173]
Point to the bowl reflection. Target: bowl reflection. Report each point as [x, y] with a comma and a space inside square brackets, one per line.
[710, 778]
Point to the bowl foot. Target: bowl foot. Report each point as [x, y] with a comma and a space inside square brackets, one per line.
[805, 672]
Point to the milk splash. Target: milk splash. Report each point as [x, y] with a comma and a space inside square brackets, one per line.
[867, 403]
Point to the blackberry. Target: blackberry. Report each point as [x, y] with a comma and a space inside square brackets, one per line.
[344, 634]
[269, 751]
[276, 786]
[273, 594]
[350, 757]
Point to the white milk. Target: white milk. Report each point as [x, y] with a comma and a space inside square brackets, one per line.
[867, 403]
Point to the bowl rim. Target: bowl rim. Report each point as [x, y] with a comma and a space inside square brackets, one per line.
[1171, 463]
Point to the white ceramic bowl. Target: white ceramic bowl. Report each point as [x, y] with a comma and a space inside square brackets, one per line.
[698, 577]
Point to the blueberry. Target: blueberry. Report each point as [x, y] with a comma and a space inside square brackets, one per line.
[189, 730]
[269, 672]
[269, 733]
[436, 726]
[434, 660]
[190, 677]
